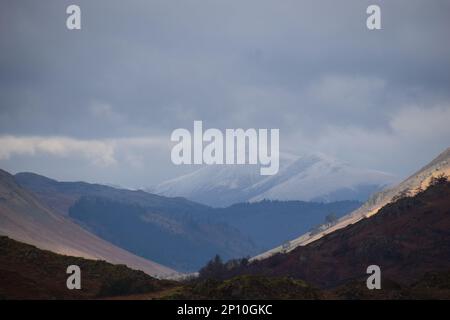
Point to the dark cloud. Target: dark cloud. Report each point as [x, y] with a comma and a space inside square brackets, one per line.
[311, 68]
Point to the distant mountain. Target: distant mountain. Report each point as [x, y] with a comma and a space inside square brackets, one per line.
[27, 272]
[25, 218]
[407, 239]
[409, 187]
[313, 177]
[60, 195]
[172, 231]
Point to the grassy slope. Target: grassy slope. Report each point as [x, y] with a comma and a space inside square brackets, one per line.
[27, 272]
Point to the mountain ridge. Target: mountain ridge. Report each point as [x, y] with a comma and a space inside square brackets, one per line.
[313, 177]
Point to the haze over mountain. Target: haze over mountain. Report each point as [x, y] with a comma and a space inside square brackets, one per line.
[409, 187]
[313, 177]
[271, 222]
[25, 218]
[177, 232]
[172, 231]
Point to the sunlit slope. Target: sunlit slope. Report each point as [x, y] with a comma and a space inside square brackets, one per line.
[409, 187]
[24, 218]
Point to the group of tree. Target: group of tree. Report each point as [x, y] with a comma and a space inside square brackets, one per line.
[219, 270]
[330, 220]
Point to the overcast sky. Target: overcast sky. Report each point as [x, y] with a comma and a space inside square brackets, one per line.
[99, 104]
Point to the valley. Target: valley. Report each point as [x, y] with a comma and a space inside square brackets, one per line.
[224, 150]
[89, 225]
[177, 232]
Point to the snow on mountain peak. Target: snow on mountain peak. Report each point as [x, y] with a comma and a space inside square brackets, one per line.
[310, 177]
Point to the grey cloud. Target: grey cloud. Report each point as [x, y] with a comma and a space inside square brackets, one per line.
[144, 68]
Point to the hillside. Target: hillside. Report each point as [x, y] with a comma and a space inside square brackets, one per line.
[247, 287]
[409, 187]
[61, 195]
[433, 285]
[407, 239]
[27, 272]
[24, 218]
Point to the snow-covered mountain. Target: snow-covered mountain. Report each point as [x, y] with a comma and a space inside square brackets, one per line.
[313, 177]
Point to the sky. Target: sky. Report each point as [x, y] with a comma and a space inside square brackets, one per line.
[99, 104]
